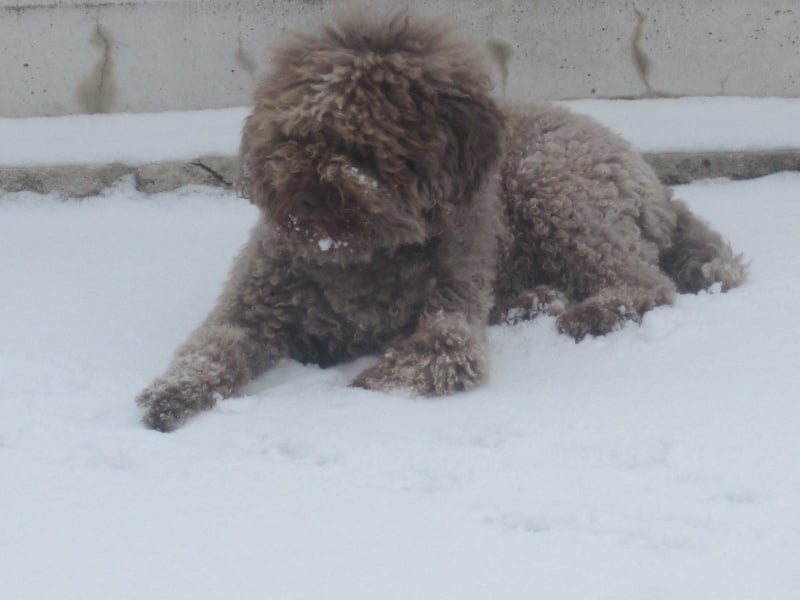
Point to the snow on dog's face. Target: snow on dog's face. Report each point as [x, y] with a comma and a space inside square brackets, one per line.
[369, 136]
[326, 202]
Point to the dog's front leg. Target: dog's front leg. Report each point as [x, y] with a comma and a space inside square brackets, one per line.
[217, 359]
[448, 351]
[243, 336]
[446, 354]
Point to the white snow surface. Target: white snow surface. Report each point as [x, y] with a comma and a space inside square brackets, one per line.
[661, 461]
[657, 125]
[133, 139]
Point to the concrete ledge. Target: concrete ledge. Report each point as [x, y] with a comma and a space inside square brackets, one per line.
[81, 181]
[167, 176]
[68, 181]
[682, 167]
[89, 180]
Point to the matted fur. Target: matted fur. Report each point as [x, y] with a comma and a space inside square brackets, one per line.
[403, 209]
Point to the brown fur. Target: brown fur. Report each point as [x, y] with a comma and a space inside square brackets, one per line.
[403, 209]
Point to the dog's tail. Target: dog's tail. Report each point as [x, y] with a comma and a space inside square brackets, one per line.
[699, 257]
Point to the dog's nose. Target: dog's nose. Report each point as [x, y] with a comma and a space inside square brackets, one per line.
[306, 202]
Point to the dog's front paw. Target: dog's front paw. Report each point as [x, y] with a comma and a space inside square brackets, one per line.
[429, 365]
[388, 374]
[167, 407]
[165, 413]
[527, 305]
[595, 317]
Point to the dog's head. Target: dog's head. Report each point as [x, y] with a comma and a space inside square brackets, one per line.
[368, 135]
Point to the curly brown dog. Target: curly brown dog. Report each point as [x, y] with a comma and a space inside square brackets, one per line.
[403, 209]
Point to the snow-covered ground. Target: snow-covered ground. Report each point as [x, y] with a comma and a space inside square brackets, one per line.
[656, 463]
[657, 125]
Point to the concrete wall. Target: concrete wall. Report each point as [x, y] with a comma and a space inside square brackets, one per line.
[65, 57]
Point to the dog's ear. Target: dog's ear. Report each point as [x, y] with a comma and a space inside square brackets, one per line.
[255, 173]
[244, 176]
[477, 136]
[247, 174]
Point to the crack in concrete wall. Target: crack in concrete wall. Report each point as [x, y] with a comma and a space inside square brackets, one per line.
[96, 91]
[501, 53]
[641, 61]
[723, 84]
[223, 181]
[105, 65]
[242, 56]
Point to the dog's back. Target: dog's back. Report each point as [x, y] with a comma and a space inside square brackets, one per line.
[571, 188]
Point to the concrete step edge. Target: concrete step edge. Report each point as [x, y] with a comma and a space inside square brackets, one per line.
[80, 181]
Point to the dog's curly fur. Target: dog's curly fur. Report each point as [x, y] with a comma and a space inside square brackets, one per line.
[403, 209]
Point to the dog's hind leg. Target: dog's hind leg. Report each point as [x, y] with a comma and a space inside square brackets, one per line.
[698, 257]
[639, 288]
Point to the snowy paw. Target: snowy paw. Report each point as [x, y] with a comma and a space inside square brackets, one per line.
[167, 407]
[595, 317]
[167, 414]
[525, 306]
[429, 365]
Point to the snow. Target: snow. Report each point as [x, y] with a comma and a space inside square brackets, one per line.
[661, 461]
[657, 125]
[133, 139]
[700, 124]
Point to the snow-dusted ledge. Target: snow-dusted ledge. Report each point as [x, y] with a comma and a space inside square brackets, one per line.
[653, 126]
[684, 139]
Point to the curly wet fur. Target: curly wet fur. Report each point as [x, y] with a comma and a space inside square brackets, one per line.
[403, 209]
